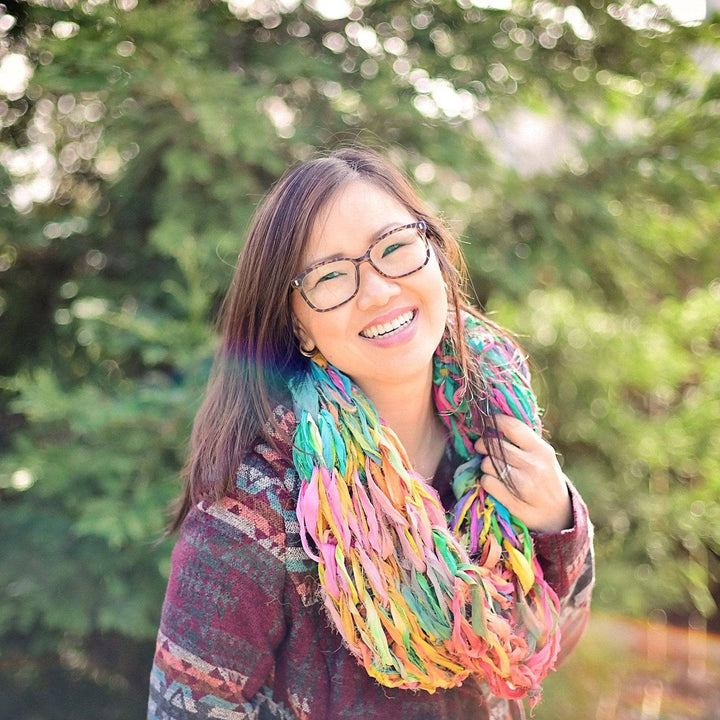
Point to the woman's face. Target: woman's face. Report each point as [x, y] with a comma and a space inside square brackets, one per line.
[389, 331]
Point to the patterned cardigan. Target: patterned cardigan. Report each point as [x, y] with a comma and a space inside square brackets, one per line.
[243, 633]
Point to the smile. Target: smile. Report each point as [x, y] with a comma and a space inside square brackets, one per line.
[375, 331]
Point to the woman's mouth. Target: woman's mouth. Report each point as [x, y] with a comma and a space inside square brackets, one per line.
[384, 329]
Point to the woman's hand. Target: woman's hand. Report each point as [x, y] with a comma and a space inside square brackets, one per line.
[543, 500]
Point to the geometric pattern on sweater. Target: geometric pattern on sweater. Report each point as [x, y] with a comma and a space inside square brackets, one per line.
[175, 700]
[187, 668]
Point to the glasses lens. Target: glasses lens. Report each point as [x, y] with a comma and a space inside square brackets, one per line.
[401, 252]
[330, 284]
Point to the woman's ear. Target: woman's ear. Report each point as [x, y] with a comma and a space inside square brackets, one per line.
[305, 343]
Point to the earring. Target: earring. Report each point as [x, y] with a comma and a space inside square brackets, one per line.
[308, 353]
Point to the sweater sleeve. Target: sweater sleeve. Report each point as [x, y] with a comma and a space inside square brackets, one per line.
[568, 566]
[223, 613]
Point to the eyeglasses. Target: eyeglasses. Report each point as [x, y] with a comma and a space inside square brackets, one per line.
[395, 254]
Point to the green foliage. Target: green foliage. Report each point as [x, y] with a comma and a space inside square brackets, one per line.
[573, 149]
[634, 406]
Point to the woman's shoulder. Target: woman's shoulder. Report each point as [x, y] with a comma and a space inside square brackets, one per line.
[503, 366]
[485, 335]
[266, 473]
[497, 353]
[260, 506]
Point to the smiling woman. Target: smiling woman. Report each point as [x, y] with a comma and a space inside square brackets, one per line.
[372, 524]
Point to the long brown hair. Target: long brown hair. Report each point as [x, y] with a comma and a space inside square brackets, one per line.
[258, 350]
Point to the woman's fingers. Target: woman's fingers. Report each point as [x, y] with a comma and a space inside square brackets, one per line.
[507, 454]
[521, 471]
[513, 431]
[502, 493]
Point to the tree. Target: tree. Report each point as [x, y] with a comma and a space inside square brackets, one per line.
[572, 147]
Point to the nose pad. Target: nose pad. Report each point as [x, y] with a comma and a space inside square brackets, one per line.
[374, 288]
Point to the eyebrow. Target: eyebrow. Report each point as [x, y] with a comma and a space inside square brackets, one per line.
[379, 233]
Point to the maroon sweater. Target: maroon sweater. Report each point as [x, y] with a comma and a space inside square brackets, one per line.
[244, 635]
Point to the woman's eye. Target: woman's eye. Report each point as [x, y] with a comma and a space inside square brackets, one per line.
[392, 248]
[329, 276]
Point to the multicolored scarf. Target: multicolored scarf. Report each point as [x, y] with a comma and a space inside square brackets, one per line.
[423, 600]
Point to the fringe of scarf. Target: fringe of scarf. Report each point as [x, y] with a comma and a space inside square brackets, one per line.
[423, 601]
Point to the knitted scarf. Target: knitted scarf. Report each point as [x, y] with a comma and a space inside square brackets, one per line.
[423, 601]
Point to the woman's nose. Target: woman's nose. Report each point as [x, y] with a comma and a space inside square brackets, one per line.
[374, 289]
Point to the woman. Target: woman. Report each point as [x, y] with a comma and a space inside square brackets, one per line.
[372, 525]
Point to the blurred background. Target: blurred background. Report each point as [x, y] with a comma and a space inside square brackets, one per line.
[573, 146]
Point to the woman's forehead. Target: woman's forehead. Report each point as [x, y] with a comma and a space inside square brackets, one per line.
[358, 214]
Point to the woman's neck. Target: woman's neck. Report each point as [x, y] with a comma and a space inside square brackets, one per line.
[409, 409]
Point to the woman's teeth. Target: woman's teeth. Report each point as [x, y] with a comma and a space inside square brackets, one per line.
[378, 330]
